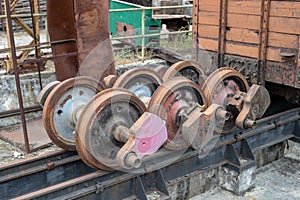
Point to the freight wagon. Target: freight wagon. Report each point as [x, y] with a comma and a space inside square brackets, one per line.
[260, 38]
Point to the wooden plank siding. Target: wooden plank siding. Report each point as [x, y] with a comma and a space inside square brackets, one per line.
[278, 8]
[243, 26]
[249, 36]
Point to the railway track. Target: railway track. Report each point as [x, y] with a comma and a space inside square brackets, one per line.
[62, 174]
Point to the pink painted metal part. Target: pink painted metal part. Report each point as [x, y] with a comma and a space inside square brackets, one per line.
[150, 134]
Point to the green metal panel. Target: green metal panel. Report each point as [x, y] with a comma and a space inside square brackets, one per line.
[126, 23]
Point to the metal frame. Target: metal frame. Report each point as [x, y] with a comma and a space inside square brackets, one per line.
[93, 184]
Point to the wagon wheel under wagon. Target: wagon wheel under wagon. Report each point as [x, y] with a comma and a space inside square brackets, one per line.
[221, 87]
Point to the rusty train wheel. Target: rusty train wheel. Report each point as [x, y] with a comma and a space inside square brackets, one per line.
[142, 82]
[222, 84]
[94, 140]
[169, 101]
[58, 110]
[188, 69]
[43, 95]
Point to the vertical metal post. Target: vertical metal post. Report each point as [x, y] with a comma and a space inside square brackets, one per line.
[263, 43]
[16, 71]
[8, 62]
[222, 32]
[143, 35]
[36, 35]
[195, 33]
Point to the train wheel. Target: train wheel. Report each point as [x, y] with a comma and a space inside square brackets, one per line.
[188, 69]
[43, 95]
[170, 101]
[142, 82]
[63, 106]
[222, 85]
[109, 110]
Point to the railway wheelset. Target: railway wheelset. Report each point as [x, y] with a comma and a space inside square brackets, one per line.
[139, 115]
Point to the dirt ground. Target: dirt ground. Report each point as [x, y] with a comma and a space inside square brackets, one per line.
[9, 153]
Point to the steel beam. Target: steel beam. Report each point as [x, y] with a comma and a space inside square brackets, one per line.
[99, 184]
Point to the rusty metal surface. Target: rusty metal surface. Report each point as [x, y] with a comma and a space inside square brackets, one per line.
[33, 32]
[110, 80]
[161, 70]
[198, 126]
[255, 103]
[95, 55]
[124, 80]
[98, 184]
[263, 40]
[222, 31]
[59, 114]
[222, 85]
[40, 172]
[195, 34]
[281, 73]
[142, 82]
[16, 73]
[189, 69]
[94, 136]
[298, 68]
[229, 88]
[169, 100]
[44, 93]
[246, 66]
[61, 28]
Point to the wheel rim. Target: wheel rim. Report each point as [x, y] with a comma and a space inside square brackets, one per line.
[142, 82]
[95, 143]
[57, 112]
[222, 84]
[188, 69]
[171, 98]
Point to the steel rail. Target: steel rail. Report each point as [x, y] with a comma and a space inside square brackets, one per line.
[29, 166]
[84, 181]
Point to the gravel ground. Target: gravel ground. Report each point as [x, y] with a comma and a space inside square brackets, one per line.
[278, 180]
[8, 153]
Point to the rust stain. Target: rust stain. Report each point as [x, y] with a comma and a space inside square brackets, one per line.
[61, 28]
